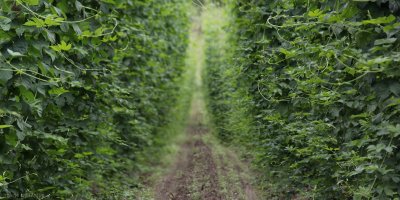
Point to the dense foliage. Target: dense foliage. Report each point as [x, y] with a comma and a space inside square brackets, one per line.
[312, 91]
[83, 86]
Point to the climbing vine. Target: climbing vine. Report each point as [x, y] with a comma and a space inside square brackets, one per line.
[83, 86]
[317, 82]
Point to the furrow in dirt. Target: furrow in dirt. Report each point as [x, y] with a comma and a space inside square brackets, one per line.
[194, 173]
[207, 172]
[203, 169]
[176, 185]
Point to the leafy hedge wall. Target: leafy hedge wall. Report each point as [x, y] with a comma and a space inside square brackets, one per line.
[313, 93]
[83, 86]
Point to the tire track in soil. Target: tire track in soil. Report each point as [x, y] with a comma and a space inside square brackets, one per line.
[176, 184]
[195, 163]
[197, 171]
[207, 174]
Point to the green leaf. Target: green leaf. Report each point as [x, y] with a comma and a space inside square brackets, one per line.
[379, 60]
[20, 135]
[287, 53]
[5, 75]
[11, 139]
[385, 41]
[391, 27]
[395, 88]
[378, 148]
[23, 125]
[362, 115]
[380, 20]
[14, 53]
[31, 2]
[61, 47]
[315, 13]
[5, 23]
[56, 138]
[105, 151]
[389, 149]
[26, 147]
[4, 37]
[53, 21]
[52, 54]
[63, 5]
[108, 1]
[78, 5]
[58, 91]
[48, 21]
[388, 191]
[77, 29]
[51, 36]
[5, 126]
[394, 130]
[39, 23]
[26, 94]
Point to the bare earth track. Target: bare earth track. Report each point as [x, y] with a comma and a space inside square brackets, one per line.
[201, 173]
[203, 169]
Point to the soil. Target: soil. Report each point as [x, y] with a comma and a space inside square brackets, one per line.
[199, 171]
[203, 168]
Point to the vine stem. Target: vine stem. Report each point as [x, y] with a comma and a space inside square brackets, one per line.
[104, 34]
[23, 71]
[8, 183]
[259, 91]
[80, 68]
[199, 4]
[306, 23]
[60, 21]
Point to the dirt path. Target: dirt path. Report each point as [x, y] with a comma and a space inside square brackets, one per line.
[204, 169]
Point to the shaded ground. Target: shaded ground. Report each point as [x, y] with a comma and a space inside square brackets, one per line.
[204, 169]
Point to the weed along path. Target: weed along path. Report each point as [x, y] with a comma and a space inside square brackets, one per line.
[203, 168]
